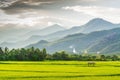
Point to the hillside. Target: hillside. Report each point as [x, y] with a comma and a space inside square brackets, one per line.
[93, 42]
[56, 32]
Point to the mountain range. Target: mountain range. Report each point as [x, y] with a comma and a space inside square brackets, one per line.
[33, 36]
[46, 31]
[10, 32]
[80, 38]
[106, 41]
[96, 24]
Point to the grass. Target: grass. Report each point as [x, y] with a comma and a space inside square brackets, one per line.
[59, 70]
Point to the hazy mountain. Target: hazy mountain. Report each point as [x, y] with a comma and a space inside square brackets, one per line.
[40, 44]
[46, 31]
[58, 32]
[4, 44]
[93, 42]
[41, 34]
[108, 44]
[16, 37]
[17, 32]
[10, 32]
[96, 24]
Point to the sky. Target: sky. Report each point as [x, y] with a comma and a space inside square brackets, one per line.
[67, 13]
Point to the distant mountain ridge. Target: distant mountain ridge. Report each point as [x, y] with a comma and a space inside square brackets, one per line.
[96, 24]
[10, 32]
[33, 38]
[109, 44]
[106, 41]
[93, 25]
[48, 30]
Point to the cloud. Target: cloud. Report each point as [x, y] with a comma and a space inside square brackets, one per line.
[45, 21]
[18, 6]
[6, 3]
[9, 3]
[97, 11]
[17, 11]
[22, 6]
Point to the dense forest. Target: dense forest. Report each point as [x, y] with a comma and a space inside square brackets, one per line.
[35, 54]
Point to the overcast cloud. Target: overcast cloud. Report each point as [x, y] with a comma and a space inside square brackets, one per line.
[67, 13]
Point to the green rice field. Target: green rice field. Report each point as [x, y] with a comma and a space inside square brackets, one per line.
[59, 70]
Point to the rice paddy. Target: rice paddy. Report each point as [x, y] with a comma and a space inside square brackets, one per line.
[59, 70]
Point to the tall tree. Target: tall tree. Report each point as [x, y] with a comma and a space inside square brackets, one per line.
[6, 50]
[1, 51]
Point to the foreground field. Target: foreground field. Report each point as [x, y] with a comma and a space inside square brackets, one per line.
[59, 70]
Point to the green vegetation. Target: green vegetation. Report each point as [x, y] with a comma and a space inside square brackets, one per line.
[35, 54]
[57, 66]
[22, 54]
[59, 70]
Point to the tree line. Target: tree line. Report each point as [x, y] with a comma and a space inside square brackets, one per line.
[35, 54]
